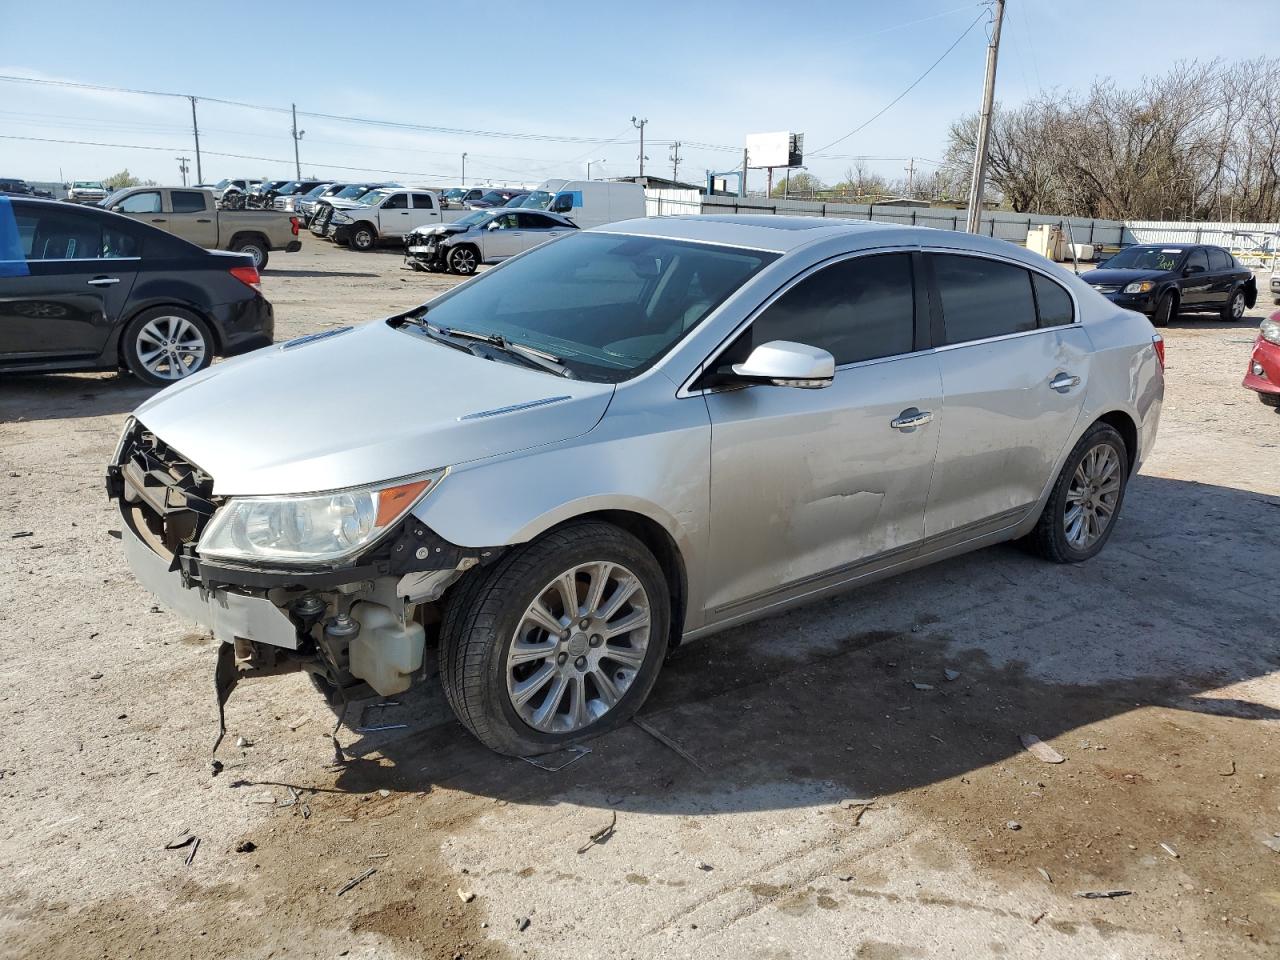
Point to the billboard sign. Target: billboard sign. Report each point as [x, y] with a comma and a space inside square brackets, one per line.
[782, 149]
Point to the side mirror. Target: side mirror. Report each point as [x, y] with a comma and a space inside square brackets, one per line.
[781, 363]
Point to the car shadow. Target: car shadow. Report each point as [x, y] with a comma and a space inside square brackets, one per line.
[904, 684]
[59, 396]
[1195, 321]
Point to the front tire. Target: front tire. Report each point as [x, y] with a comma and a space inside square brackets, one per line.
[1234, 308]
[167, 344]
[463, 261]
[1085, 501]
[1166, 310]
[1269, 399]
[559, 642]
[362, 238]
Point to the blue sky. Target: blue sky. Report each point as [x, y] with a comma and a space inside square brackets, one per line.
[700, 72]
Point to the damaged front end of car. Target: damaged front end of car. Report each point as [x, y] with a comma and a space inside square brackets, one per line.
[342, 584]
[427, 248]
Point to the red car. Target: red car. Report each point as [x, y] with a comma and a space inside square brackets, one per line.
[1263, 374]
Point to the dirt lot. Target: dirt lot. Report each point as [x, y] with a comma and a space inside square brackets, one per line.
[1155, 670]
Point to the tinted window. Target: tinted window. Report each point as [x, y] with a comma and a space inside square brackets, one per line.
[398, 201]
[186, 201]
[148, 202]
[422, 201]
[983, 298]
[1053, 303]
[1219, 259]
[63, 235]
[533, 221]
[857, 309]
[1196, 258]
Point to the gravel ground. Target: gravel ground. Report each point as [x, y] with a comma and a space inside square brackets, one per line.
[825, 806]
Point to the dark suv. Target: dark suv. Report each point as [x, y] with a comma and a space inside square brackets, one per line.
[13, 187]
[1161, 279]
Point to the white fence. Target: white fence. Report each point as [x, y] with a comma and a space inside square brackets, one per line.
[1256, 244]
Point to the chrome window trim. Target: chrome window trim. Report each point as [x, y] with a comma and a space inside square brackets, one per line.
[77, 260]
[686, 389]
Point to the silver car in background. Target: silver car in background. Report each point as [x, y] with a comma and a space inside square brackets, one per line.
[624, 440]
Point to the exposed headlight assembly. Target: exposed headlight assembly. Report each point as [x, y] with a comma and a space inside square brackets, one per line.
[339, 217]
[1140, 286]
[1270, 330]
[313, 528]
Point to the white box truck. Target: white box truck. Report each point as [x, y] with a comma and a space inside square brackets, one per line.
[589, 203]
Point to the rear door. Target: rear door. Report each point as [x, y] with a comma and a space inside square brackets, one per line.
[1223, 272]
[423, 211]
[536, 228]
[65, 277]
[394, 216]
[1015, 367]
[191, 219]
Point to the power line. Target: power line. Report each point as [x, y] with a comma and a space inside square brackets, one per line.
[914, 83]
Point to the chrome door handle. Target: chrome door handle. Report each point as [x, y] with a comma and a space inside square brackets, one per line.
[1064, 382]
[104, 281]
[911, 418]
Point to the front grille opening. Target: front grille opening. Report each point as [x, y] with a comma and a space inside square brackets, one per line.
[166, 500]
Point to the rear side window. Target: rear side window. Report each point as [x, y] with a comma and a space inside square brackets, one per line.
[983, 298]
[422, 201]
[858, 309]
[1219, 259]
[64, 235]
[187, 201]
[1052, 302]
[536, 221]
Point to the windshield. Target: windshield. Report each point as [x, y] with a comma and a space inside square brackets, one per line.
[457, 193]
[471, 219]
[375, 196]
[351, 192]
[608, 306]
[493, 196]
[316, 191]
[537, 200]
[88, 184]
[1145, 258]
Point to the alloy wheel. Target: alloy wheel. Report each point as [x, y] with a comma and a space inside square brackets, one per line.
[1092, 496]
[171, 348]
[464, 261]
[578, 647]
[1237, 305]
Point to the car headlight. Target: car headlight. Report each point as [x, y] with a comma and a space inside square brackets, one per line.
[1141, 286]
[1270, 330]
[313, 528]
[340, 218]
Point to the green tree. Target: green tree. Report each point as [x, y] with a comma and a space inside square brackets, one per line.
[802, 184]
[118, 181]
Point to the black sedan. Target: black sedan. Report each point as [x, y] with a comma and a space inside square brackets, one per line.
[1161, 280]
[84, 289]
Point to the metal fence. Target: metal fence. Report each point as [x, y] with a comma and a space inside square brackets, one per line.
[1255, 244]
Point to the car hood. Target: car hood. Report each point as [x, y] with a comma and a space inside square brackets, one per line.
[355, 406]
[439, 228]
[1122, 276]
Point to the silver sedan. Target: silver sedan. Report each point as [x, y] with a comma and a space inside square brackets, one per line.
[626, 439]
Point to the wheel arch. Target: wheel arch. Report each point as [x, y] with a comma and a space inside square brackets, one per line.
[1128, 430]
[242, 235]
[188, 307]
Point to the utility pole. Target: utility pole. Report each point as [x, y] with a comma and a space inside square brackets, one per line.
[639, 125]
[297, 135]
[464, 170]
[675, 160]
[742, 180]
[183, 168]
[195, 128]
[911, 174]
[978, 188]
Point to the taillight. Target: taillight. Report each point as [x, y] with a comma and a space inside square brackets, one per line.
[1157, 341]
[293, 222]
[248, 276]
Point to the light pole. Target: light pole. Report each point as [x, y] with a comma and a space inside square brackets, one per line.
[464, 170]
[977, 188]
[589, 163]
[640, 125]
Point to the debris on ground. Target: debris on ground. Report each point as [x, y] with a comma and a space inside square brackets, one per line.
[378, 856]
[368, 726]
[355, 880]
[951, 674]
[243, 742]
[246, 846]
[1273, 843]
[1169, 850]
[1230, 772]
[297, 723]
[1013, 825]
[21, 533]
[1041, 750]
[556, 761]
[466, 896]
[216, 767]
[704, 866]
[180, 840]
[95, 676]
[1045, 874]
[666, 741]
[192, 855]
[923, 686]
[522, 924]
[1102, 894]
[602, 835]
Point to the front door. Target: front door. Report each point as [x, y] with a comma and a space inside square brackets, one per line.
[394, 216]
[1015, 368]
[503, 237]
[1196, 283]
[67, 276]
[808, 486]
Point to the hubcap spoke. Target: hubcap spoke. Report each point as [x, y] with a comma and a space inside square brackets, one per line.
[621, 594]
[524, 691]
[631, 622]
[541, 616]
[545, 714]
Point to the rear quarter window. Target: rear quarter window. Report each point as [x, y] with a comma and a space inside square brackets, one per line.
[1053, 303]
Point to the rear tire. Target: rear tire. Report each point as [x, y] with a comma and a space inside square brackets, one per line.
[1166, 310]
[1234, 308]
[1074, 493]
[165, 345]
[490, 611]
[254, 248]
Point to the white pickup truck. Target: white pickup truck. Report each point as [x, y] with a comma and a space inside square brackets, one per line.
[388, 213]
[193, 215]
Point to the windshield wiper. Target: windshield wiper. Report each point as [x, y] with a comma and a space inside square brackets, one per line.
[438, 334]
[532, 355]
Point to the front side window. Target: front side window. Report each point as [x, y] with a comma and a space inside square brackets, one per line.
[505, 222]
[983, 298]
[608, 305]
[1198, 261]
[534, 221]
[147, 202]
[187, 201]
[397, 201]
[857, 309]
